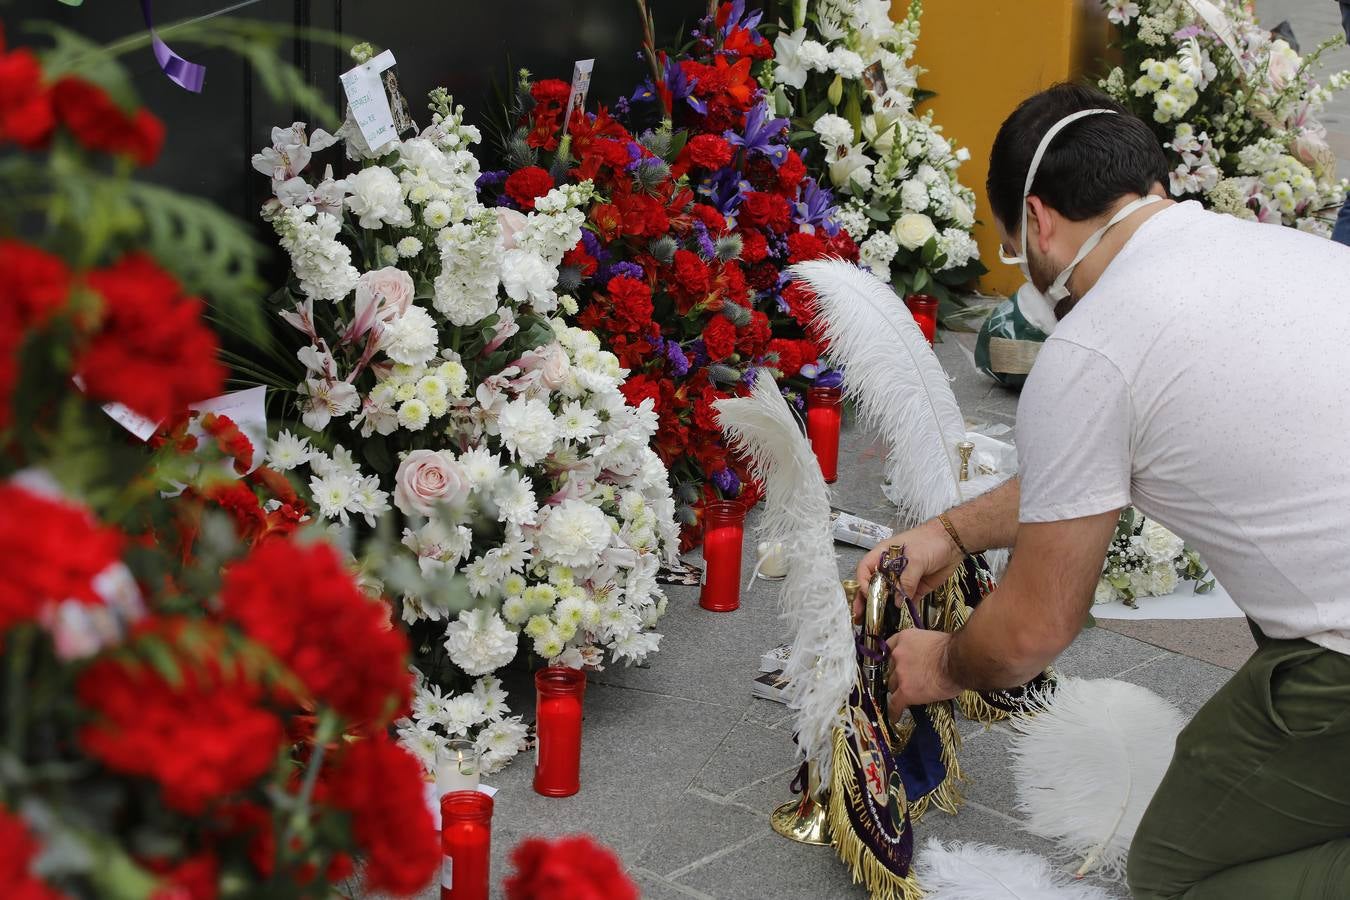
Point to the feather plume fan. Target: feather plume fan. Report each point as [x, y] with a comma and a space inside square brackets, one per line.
[1087, 766]
[962, 871]
[822, 667]
[896, 382]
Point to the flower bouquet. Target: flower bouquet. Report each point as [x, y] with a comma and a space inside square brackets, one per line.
[699, 207]
[1146, 560]
[440, 387]
[177, 671]
[843, 74]
[1235, 110]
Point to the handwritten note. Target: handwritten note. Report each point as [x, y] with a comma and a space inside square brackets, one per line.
[581, 84]
[368, 102]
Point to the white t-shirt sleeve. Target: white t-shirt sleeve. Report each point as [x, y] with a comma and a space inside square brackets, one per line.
[1074, 423]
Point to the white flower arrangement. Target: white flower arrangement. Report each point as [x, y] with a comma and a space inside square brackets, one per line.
[1236, 109]
[1146, 560]
[527, 492]
[844, 73]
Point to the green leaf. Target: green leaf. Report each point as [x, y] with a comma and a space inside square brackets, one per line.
[921, 281]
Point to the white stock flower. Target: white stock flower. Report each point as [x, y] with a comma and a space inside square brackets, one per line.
[877, 252]
[377, 198]
[958, 246]
[479, 642]
[574, 533]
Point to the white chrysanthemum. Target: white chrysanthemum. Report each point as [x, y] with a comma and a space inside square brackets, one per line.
[432, 387]
[437, 214]
[462, 712]
[577, 423]
[333, 495]
[411, 338]
[499, 742]
[527, 429]
[479, 642]
[414, 415]
[429, 703]
[636, 646]
[288, 451]
[515, 500]
[408, 247]
[492, 696]
[377, 198]
[574, 534]
[456, 378]
[550, 644]
[423, 742]
[515, 610]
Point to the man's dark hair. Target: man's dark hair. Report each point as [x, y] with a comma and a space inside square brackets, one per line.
[1089, 165]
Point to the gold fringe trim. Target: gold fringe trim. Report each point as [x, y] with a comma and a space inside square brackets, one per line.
[977, 709]
[880, 882]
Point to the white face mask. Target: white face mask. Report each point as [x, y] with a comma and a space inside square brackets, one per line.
[1038, 308]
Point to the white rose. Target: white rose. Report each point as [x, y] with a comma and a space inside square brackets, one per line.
[1162, 580]
[913, 230]
[1105, 593]
[550, 362]
[426, 478]
[961, 213]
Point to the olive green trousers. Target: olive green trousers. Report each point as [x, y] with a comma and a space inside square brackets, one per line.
[1256, 803]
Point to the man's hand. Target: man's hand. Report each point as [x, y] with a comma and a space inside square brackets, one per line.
[918, 670]
[932, 559]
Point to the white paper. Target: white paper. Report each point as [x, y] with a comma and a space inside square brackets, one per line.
[131, 420]
[487, 789]
[581, 84]
[368, 101]
[246, 409]
[1184, 603]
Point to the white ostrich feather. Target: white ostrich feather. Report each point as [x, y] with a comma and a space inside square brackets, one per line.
[896, 382]
[964, 871]
[822, 667]
[1087, 766]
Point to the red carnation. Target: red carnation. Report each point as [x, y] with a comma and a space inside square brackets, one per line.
[803, 247]
[719, 338]
[714, 221]
[643, 214]
[380, 785]
[191, 879]
[201, 736]
[790, 361]
[692, 277]
[26, 116]
[572, 868]
[791, 173]
[632, 303]
[769, 211]
[801, 302]
[733, 286]
[754, 337]
[152, 351]
[764, 276]
[841, 245]
[581, 260]
[754, 246]
[525, 185]
[301, 604]
[37, 535]
[705, 414]
[36, 286]
[18, 851]
[550, 100]
[710, 151]
[100, 125]
[642, 387]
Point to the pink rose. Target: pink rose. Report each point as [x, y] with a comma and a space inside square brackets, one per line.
[511, 222]
[1311, 149]
[427, 478]
[382, 295]
[1284, 65]
[550, 362]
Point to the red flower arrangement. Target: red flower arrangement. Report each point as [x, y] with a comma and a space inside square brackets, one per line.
[680, 270]
[571, 868]
[18, 850]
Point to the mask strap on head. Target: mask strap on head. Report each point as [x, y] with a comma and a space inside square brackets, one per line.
[1060, 289]
[1044, 145]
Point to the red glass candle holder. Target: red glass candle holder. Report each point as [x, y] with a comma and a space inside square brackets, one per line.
[466, 845]
[559, 692]
[924, 309]
[824, 416]
[723, 538]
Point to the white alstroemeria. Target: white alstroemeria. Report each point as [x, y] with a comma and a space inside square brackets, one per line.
[322, 401]
[1122, 12]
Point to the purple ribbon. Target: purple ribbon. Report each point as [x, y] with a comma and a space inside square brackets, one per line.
[186, 75]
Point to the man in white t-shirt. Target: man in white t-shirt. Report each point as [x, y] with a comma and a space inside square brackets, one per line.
[1198, 369]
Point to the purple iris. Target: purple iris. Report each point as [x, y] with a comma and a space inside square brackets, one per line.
[723, 190]
[759, 134]
[816, 207]
[830, 378]
[727, 482]
[737, 18]
[681, 87]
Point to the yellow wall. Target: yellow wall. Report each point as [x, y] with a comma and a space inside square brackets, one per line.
[983, 58]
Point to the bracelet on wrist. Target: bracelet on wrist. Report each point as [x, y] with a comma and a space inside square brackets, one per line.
[951, 533]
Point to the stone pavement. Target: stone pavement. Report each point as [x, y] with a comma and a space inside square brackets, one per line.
[681, 766]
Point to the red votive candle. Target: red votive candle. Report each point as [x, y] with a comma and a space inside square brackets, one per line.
[466, 845]
[824, 415]
[559, 691]
[723, 538]
[924, 309]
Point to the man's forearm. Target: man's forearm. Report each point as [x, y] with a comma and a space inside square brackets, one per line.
[989, 522]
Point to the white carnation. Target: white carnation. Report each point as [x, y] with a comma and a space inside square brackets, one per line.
[377, 198]
[575, 533]
[479, 642]
[527, 278]
[527, 429]
[834, 131]
[914, 195]
[411, 338]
